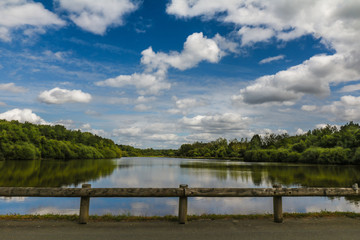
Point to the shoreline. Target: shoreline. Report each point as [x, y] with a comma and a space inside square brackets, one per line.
[172, 218]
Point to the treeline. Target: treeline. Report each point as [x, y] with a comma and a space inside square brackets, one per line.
[327, 145]
[20, 141]
[129, 151]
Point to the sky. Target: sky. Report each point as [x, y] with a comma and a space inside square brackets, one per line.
[160, 73]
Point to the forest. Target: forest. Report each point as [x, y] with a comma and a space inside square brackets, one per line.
[328, 145]
[27, 141]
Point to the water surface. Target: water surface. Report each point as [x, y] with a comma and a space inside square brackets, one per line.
[166, 172]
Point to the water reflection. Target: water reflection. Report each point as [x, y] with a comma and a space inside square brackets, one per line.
[164, 172]
[52, 173]
[288, 175]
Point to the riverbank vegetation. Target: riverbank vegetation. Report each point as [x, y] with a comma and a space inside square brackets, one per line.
[328, 145]
[30, 141]
[129, 218]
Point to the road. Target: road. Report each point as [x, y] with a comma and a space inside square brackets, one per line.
[326, 228]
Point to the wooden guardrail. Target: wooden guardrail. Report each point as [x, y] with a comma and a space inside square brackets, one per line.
[183, 192]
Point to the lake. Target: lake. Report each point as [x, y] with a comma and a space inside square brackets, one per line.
[170, 172]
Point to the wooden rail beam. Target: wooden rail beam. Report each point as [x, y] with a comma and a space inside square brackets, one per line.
[90, 192]
[270, 192]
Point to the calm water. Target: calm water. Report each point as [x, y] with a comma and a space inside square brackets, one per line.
[164, 172]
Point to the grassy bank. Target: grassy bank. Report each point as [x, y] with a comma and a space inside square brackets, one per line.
[118, 218]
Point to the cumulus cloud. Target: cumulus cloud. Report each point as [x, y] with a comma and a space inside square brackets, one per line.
[145, 83]
[271, 59]
[197, 48]
[309, 108]
[299, 131]
[129, 132]
[218, 123]
[311, 77]
[11, 87]
[347, 109]
[60, 96]
[334, 22]
[253, 35]
[22, 115]
[26, 15]
[151, 132]
[184, 105]
[97, 16]
[350, 88]
[67, 123]
[287, 20]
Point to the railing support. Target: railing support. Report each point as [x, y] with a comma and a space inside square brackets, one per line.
[183, 204]
[84, 207]
[277, 203]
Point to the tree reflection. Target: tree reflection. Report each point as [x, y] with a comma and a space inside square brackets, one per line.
[50, 173]
[284, 174]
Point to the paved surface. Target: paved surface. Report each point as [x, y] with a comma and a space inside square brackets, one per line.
[304, 228]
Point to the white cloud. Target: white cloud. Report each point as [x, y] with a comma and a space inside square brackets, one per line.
[67, 123]
[143, 99]
[226, 45]
[218, 123]
[145, 83]
[11, 87]
[253, 35]
[334, 22]
[97, 16]
[271, 59]
[323, 125]
[22, 115]
[149, 131]
[27, 15]
[288, 20]
[57, 56]
[197, 48]
[309, 108]
[184, 105]
[86, 127]
[163, 137]
[311, 77]
[130, 132]
[350, 88]
[299, 131]
[347, 109]
[59, 96]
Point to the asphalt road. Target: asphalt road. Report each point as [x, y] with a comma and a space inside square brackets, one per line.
[304, 228]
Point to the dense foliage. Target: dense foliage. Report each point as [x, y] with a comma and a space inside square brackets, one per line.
[326, 145]
[30, 141]
[129, 151]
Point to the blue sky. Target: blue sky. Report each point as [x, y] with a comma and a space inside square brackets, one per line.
[162, 73]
